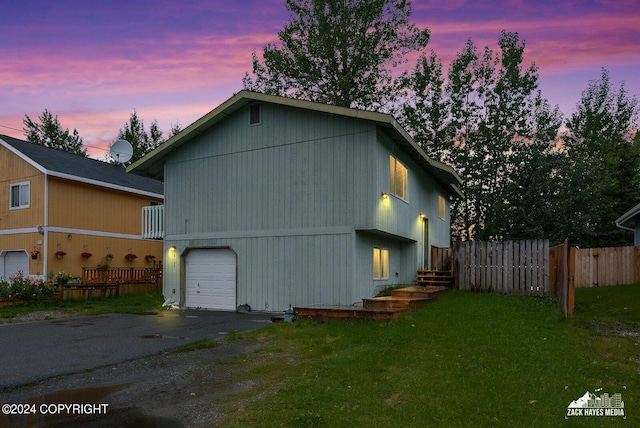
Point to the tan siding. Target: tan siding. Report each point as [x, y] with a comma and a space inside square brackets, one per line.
[76, 244]
[82, 206]
[15, 170]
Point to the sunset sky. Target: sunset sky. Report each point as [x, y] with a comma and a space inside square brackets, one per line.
[92, 63]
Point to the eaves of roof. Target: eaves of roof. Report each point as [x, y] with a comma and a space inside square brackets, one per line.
[629, 215]
[61, 164]
[152, 164]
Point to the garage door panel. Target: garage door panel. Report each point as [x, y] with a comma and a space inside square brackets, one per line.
[14, 262]
[210, 279]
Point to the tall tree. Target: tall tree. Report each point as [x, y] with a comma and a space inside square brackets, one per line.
[338, 52]
[49, 133]
[141, 140]
[491, 124]
[604, 181]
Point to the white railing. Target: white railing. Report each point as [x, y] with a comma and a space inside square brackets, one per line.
[153, 222]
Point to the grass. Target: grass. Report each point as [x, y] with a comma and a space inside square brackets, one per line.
[125, 304]
[464, 360]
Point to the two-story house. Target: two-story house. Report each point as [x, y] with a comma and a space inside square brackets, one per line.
[63, 212]
[272, 201]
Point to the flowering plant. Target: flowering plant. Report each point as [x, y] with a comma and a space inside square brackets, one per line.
[130, 257]
[60, 254]
[35, 252]
[149, 257]
[19, 287]
[86, 255]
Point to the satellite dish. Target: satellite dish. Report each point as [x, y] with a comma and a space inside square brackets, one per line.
[121, 151]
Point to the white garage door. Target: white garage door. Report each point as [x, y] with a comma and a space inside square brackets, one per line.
[14, 262]
[210, 279]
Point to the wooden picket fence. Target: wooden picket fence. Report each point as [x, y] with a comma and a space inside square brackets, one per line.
[508, 267]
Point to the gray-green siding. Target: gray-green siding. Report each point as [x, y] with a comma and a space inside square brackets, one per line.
[298, 198]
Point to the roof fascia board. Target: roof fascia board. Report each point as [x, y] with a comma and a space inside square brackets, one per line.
[104, 184]
[23, 156]
[628, 215]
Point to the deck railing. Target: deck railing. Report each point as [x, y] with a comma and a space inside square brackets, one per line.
[153, 222]
[93, 276]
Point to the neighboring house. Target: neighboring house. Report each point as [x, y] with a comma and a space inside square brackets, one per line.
[52, 201]
[271, 201]
[632, 217]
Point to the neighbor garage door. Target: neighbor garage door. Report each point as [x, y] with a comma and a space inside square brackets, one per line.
[210, 279]
[14, 262]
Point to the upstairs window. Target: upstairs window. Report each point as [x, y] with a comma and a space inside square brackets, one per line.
[380, 263]
[441, 207]
[398, 175]
[254, 114]
[19, 195]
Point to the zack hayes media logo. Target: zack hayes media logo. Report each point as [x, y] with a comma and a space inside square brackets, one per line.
[592, 405]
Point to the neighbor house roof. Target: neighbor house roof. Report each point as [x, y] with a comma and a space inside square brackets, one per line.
[58, 163]
[152, 164]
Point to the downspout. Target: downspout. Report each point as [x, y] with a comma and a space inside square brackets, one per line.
[45, 245]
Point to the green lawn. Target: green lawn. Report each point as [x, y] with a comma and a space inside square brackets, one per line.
[134, 303]
[463, 360]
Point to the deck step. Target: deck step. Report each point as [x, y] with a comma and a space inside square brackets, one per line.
[418, 291]
[393, 302]
[434, 278]
[323, 313]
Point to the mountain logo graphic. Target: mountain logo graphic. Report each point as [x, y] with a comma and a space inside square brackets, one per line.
[593, 405]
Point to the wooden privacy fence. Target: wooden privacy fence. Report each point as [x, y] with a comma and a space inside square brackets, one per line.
[509, 267]
[595, 267]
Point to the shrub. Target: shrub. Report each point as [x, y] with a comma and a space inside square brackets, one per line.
[20, 288]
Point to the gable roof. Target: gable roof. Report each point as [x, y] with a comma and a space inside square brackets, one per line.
[152, 164]
[58, 163]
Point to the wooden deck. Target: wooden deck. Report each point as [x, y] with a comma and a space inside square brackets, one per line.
[385, 308]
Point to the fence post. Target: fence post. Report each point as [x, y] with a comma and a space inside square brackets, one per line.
[571, 282]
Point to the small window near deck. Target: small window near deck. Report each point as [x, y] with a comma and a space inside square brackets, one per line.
[380, 263]
[254, 114]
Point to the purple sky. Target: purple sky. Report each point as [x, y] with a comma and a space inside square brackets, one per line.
[92, 63]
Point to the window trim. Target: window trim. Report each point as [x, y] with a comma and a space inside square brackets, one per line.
[255, 110]
[20, 186]
[381, 260]
[442, 207]
[393, 173]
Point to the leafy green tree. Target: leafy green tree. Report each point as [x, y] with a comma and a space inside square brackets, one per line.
[490, 123]
[49, 133]
[604, 177]
[339, 52]
[141, 140]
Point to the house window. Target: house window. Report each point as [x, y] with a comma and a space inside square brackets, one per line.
[441, 207]
[19, 195]
[254, 114]
[380, 263]
[398, 175]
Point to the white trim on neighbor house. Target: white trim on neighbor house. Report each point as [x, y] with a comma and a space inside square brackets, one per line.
[103, 184]
[71, 177]
[73, 231]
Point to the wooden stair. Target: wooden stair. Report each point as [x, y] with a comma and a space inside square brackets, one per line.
[384, 308]
[434, 278]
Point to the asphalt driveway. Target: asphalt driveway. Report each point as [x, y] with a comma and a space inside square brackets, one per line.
[38, 350]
